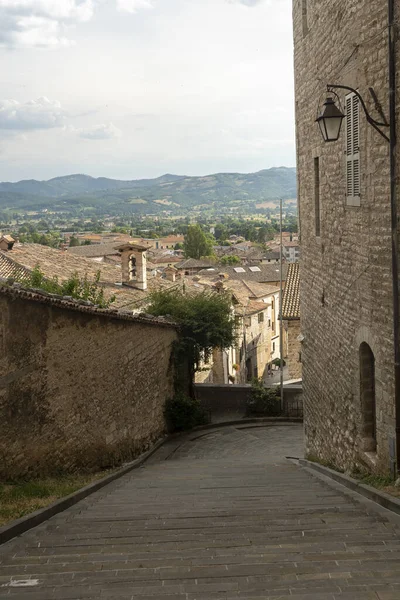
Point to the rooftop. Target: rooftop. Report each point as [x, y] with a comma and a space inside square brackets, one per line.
[95, 250]
[263, 274]
[291, 295]
[193, 263]
[63, 265]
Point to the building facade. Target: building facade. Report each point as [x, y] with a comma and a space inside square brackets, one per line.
[345, 225]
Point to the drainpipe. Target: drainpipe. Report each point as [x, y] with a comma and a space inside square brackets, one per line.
[393, 205]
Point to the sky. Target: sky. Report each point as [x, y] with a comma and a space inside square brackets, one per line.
[137, 88]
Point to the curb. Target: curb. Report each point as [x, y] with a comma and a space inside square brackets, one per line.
[19, 526]
[248, 421]
[381, 498]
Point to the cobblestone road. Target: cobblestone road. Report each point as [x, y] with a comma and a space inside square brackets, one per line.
[226, 516]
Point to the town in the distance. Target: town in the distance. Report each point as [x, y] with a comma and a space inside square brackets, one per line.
[77, 226]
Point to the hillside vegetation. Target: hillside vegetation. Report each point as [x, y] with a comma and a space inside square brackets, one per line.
[170, 192]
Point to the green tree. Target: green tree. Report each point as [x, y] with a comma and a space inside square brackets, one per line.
[221, 232]
[74, 241]
[230, 260]
[206, 322]
[197, 243]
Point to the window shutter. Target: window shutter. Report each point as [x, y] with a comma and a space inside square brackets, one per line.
[353, 175]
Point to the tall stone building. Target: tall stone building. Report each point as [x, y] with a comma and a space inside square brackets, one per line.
[344, 189]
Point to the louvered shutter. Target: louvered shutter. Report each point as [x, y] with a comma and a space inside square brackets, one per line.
[353, 149]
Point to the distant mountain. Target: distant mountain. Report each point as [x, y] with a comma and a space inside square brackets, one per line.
[149, 195]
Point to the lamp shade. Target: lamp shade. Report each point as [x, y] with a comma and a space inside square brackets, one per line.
[330, 121]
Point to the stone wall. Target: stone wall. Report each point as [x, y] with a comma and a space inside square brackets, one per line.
[228, 402]
[346, 279]
[78, 389]
[294, 350]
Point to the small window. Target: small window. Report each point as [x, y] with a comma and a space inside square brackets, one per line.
[261, 317]
[269, 322]
[273, 346]
[304, 11]
[317, 198]
[353, 175]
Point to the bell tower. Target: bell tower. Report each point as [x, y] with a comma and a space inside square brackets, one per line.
[133, 257]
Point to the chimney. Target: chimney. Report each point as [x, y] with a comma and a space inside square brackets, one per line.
[133, 259]
[6, 243]
[170, 273]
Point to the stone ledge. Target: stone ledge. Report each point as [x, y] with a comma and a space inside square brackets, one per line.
[389, 502]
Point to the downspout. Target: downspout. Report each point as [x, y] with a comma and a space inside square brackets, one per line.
[393, 205]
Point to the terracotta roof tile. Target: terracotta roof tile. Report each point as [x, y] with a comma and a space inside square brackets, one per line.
[81, 306]
[10, 269]
[291, 295]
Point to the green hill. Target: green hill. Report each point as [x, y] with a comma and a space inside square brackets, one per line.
[168, 192]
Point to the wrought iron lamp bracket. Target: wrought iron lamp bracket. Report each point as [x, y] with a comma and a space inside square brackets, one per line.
[375, 124]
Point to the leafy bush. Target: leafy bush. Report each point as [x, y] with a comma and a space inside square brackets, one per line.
[80, 289]
[263, 401]
[183, 412]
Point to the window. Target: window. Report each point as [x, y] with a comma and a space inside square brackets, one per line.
[317, 198]
[353, 150]
[269, 322]
[367, 394]
[261, 317]
[304, 16]
[273, 346]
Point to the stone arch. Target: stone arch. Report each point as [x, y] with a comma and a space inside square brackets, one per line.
[132, 267]
[367, 388]
[368, 396]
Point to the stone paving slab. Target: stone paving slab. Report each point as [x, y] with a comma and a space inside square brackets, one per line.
[227, 516]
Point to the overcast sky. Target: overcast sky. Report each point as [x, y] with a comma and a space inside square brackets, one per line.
[138, 88]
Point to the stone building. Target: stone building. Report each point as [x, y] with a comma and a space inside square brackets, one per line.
[291, 322]
[346, 238]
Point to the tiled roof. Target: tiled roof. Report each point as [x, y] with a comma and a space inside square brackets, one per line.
[55, 263]
[193, 263]
[95, 250]
[291, 295]
[255, 307]
[82, 306]
[264, 273]
[260, 290]
[291, 244]
[10, 269]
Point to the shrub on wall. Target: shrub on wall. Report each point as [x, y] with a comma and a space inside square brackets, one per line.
[183, 413]
[263, 401]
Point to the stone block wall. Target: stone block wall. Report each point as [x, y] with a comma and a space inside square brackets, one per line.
[346, 279]
[293, 359]
[78, 389]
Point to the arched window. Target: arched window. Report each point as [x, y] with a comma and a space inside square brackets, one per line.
[367, 395]
[132, 268]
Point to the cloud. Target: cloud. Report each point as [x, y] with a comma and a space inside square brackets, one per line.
[35, 114]
[246, 2]
[132, 6]
[101, 132]
[30, 23]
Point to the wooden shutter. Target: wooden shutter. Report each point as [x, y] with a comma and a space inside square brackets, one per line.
[353, 175]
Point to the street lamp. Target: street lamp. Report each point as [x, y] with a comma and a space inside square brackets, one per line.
[330, 121]
[331, 117]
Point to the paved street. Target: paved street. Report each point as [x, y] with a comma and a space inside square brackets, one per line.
[225, 516]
